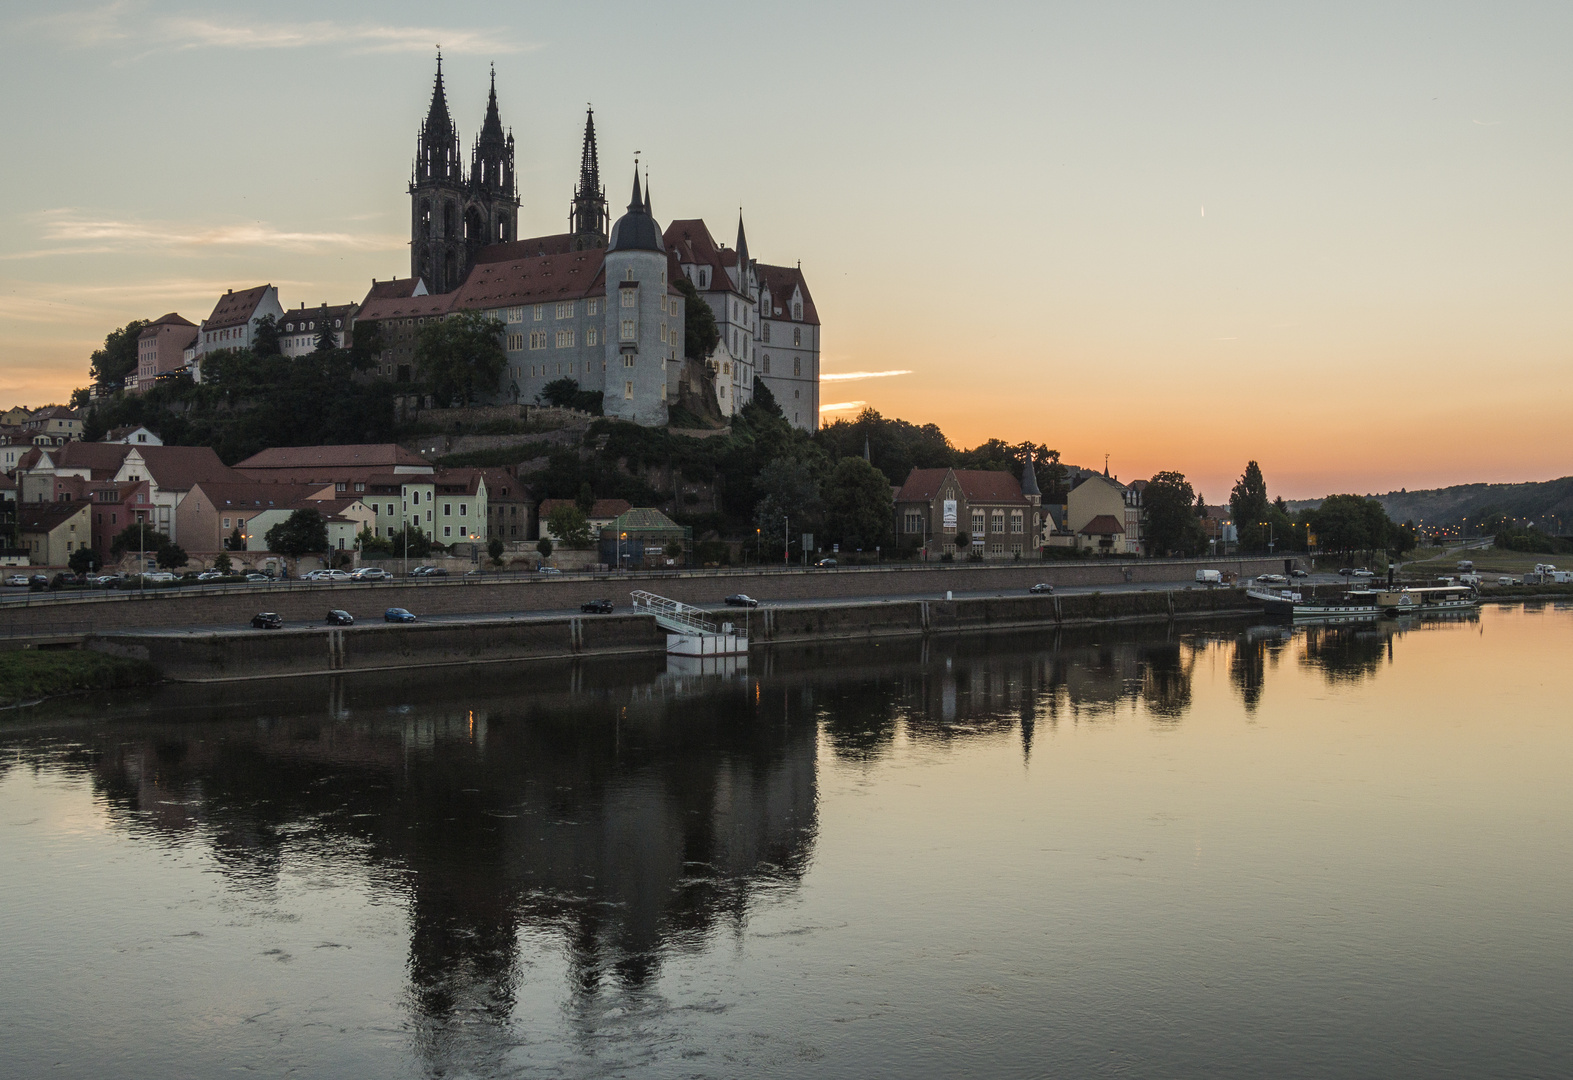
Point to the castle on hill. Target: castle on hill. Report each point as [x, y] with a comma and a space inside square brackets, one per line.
[597, 304]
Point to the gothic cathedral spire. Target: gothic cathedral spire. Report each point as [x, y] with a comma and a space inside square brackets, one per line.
[588, 218]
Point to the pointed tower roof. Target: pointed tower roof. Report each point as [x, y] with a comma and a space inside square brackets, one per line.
[437, 118]
[647, 195]
[636, 230]
[589, 160]
[1029, 480]
[742, 241]
[637, 202]
[491, 128]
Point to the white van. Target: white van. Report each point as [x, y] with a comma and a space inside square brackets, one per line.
[1469, 579]
[1465, 565]
[1209, 577]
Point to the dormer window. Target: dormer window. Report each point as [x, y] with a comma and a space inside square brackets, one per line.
[704, 279]
[797, 312]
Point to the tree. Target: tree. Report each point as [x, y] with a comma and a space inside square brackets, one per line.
[1172, 526]
[764, 401]
[411, 541]
[371, 544]
[585, 500]
[494, 548]
[674, 549]
[565, 394]
[83, 561]
[110, 365]
[304, 532]
[172, 557]
[700, 333]
[570, 526]
[787, 489]
[235, 541]
[461, 357]
[139, 536]
[327, 340]
[858, 506]
[265, 337]
[1249, 507]
[365, 343]
[1351, 523]
[544, 546]
[222, 563]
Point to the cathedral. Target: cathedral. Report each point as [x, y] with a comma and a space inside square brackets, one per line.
[597, 304]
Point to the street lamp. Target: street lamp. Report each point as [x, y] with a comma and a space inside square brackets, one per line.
[1270, 540]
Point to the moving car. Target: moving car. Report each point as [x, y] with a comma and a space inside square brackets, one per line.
[371, 573]
[340, 617]
[547, 570]
[1042, 587]
[741, 600]
[159, 576]
[1298, 573]
[428, 571]
[42, 580]
[827, 563]
[597, 607]
[398, 614]
[210, 575]
[105, 581]
[1362, 572]
[1271, 579]
[258, 578]
[266, 620]
[326, 575]
[17, 579]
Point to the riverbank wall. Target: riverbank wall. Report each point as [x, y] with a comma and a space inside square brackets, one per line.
[217, 656]
[43, 616]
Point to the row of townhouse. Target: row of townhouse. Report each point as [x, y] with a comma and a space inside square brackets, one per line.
[21, 428]
[996, 515]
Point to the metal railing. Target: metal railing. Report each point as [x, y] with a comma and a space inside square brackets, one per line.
[672, 615]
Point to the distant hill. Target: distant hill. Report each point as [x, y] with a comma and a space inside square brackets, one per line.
[1547, 503]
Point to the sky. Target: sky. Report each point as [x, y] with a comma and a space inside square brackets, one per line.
[1334, 238]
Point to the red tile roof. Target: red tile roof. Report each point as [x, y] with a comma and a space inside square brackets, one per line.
[532, 280]
[403, 307]
[690, 242]
[172, 320]
[177, 468]
[34, 516]
[530, 247]
[353, 455]
[781, 280]
[1102, 525]
[503, 486]
[977, 486]
[235, 308]
[252, 494]
[396, 289]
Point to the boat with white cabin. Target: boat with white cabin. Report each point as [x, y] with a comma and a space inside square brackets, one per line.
[1357, 605]
[1428, 599]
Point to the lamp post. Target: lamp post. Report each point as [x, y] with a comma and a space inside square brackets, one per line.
[786, 541]
[1270, 540]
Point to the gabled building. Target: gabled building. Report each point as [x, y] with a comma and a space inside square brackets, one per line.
[136, 435]
[233, 323]
[1096, 503]
[300, 329]
[161, 350]
[789, 343]
[51, 532]
[53, 425]
[935, 507]
[507, 505]
[603, 512]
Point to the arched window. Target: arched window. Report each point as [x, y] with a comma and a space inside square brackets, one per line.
[797, 335]
[797, 365]
[766, 369]
[797, 310]
[425, 217]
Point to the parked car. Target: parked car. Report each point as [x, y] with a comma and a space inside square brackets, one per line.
[105, 581]
[266, 620]
[547, 570]
[326, 575]
[1271, 579]
[597, 607]
[340, 617]
[161, 577]
[741, 600]
[398, 614]
[1362, 572]
[258, 579]
[1346, 570]
[17, 579]
[63, 579]
[210, 575]
[40, 581]
[1505, 580]
[1298, 573]
[826, 563]
[428, 571]
[1042, 587]
[371, 573]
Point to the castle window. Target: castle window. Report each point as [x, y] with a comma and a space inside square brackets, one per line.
[1015, 521]
[797, 365]
[628, 275]
[630, 298]
[540, 312]
[516, 314]
[628, 359]
[628, 390]
[766, 330]
[766, 370]
[797, 311]
[592, 307]
[565, 339]
[797, 335]
[704, 279]
[628, 328]
[590, 336]
[537, 339]
[515, 342]
[565, 311]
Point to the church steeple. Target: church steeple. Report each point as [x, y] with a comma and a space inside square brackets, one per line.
[742, 243]
[437, 149]
[588, 217]
[491, 164]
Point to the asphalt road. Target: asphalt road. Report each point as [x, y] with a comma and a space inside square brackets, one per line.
[365, 609]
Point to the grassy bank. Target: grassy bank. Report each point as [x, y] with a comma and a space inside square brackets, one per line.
[31, 674]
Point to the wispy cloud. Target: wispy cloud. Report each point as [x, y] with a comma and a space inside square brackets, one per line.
[848, 376]
[51, 302]
[841, 406]
[125, 22]
[71, 232]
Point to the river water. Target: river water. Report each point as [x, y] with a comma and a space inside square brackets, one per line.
[1216, 851]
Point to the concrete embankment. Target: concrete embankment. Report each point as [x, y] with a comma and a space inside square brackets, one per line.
[254, 654]
[44, 616]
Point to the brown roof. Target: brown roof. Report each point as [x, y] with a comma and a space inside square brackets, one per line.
[45, 516]
[53, 412]
[537, 279]
[352, 455]
[781, 280]
[396, 289]
[252, 494]
[457, 481]
[177, 468]
[235, 308]
[689, 241]
[403, 307]
[6, 483]
[503, 486]
[102, 460]
[528, 248]
[1102, 525]
[342, 312]
[166, 322]
[604, 509]
[977, 486]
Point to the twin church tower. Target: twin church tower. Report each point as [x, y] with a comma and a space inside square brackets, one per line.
[453, 215]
